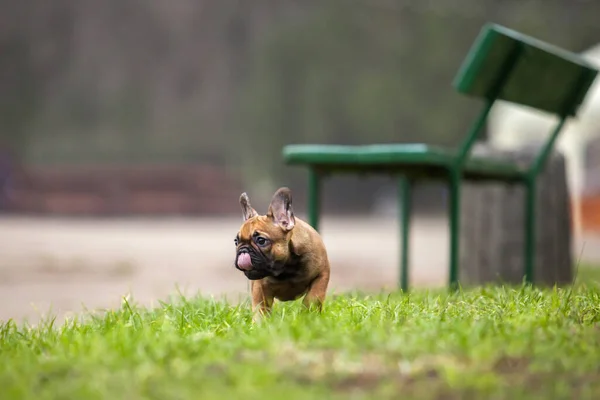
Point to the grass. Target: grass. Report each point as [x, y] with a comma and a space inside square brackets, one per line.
[490, 342]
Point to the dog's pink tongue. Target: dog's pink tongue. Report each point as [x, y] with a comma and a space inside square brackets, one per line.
[244, 261]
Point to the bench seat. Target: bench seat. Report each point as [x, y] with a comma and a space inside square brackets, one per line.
[424, 160]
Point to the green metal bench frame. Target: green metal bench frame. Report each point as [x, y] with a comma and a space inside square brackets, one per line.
[501, 64]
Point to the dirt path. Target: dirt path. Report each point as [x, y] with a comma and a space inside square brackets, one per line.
[62, 264]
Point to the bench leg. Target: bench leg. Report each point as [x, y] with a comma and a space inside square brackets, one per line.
[314, 198]
[454, 217]
[530, 228]
[405, 197]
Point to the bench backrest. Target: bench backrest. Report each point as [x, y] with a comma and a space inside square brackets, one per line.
[507, 65]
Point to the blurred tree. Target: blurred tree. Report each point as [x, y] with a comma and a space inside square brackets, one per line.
[34, 51]
[216, 80]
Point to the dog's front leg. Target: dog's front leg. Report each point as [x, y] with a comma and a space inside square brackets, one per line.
[315, 297]
[262, 301]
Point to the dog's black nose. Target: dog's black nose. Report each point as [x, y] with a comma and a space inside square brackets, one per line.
[243, 249]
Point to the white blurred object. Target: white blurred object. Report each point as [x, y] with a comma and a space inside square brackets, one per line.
[512, 126]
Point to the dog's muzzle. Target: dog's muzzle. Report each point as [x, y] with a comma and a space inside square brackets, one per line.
[250, 264]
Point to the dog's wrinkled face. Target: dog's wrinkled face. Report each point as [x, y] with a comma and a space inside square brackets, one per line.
[263, 241]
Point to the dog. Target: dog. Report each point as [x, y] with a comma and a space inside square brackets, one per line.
[283, 257]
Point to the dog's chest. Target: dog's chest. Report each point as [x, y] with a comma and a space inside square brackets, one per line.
[288, 291]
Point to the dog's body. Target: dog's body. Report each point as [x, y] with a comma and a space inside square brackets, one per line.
[283, 256]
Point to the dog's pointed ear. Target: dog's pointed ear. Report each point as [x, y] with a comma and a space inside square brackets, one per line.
[280, 209]
[247, 210]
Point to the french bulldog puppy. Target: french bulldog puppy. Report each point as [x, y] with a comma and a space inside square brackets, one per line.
[282, 256]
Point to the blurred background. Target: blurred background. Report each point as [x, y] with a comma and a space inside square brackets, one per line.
[129, 128]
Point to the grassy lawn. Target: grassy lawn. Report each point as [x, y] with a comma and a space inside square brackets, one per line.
[490, 343]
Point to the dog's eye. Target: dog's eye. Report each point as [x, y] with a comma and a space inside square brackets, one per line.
[261, 241]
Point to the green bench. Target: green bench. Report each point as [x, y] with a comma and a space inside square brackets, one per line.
[502, 64]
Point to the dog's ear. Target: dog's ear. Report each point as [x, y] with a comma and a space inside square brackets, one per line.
[280, 209]
[247, 210]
